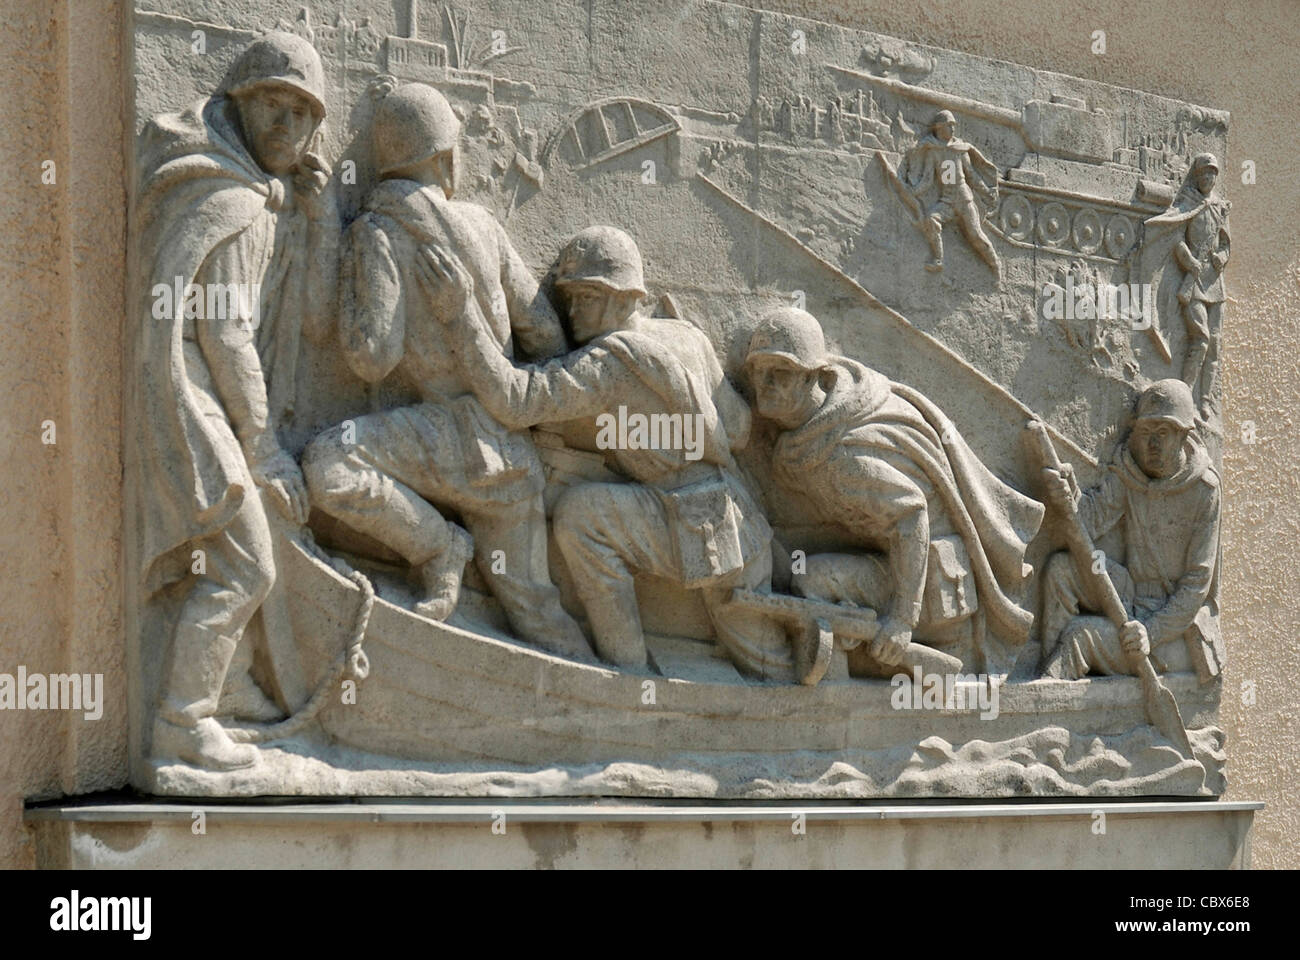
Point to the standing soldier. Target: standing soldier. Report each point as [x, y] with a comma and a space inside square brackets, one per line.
[1163, 495]
[685, 515]
[231, 199]
[1194, 230]
[392, 479]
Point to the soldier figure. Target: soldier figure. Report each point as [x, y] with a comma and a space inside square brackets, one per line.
[446, 450]
[683, 517]
[1163, 496]
[1195, 231]
[945, 539]
[231, 195]
[940, 162]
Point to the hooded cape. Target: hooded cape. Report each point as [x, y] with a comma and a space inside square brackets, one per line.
[199, 187]
[994, 521]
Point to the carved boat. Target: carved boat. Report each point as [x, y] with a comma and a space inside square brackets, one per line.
[438, 692]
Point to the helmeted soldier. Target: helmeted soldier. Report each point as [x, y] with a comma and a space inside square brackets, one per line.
[232, 203]
[1192, 236]
[943, 539]
[403, 467]
[684, 514]
[1162, 495]
[944, 173]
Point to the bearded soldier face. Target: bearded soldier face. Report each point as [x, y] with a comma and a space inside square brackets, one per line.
[278, 123]
[1157, 446]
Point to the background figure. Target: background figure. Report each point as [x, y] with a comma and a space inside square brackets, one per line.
[1186, 248]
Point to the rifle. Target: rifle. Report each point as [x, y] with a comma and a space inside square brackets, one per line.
[852, 625]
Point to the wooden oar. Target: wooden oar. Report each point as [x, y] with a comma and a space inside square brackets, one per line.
[1161, 706]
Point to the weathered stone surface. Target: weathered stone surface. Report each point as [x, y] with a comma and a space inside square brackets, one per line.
[569, 302]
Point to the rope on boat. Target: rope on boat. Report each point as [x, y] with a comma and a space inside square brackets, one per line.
[352, 663]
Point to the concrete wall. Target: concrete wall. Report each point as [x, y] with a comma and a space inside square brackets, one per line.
[61, 285]
[62, 273]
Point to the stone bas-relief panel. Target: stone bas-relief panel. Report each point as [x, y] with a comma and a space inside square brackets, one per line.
[692, 401]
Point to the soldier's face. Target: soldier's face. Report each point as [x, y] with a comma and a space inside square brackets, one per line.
[1157, 446]
[784, 392]
[1205, 178]
[594, 309]
[277, 124]
[944, 130]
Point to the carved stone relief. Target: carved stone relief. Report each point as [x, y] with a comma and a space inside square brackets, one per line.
[771, 410]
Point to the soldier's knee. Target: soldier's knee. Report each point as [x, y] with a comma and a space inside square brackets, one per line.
[325, 467]
[573, 516]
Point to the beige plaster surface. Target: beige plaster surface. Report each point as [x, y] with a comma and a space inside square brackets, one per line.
[62, 279]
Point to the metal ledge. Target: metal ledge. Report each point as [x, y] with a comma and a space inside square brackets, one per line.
[603, 811]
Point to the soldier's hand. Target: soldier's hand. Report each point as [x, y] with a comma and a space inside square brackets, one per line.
[447, 282]
[281, 478]
[1058, 489]
[891, 642]
[312, 189]
[1133, 638]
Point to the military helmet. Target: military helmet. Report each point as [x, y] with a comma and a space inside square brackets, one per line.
[1202, 160]
[604, 255]
[790, 334]
[280, 59]
[412, 123]
[1168, 400]
[943, 116]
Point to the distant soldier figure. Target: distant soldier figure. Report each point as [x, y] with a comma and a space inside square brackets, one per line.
[231, 195]
[1163, 496]
[685, 515]
[1192, 235]
[393, 478]
[944, 540]
[943, 174]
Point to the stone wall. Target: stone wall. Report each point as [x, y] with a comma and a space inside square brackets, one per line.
[63, 275]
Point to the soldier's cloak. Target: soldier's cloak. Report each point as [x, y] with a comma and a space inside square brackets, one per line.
[1155, 263]
[199, 187]
[994, 521]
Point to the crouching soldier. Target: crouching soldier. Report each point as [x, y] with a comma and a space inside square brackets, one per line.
[685, 515]
[944, 540]
[1163, 495]
[403, 467]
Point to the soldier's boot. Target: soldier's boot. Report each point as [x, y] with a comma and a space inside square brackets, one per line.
[442, 575]
[205, 744]
[932, 229]
[1193, 364]
[184, 728]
